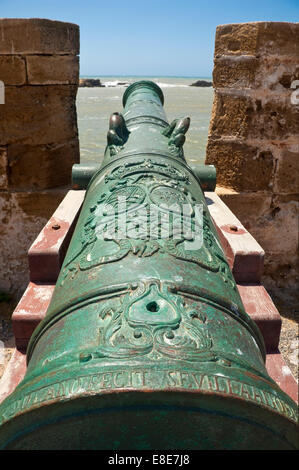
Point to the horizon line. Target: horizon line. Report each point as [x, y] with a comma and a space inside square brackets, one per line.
[150, 76]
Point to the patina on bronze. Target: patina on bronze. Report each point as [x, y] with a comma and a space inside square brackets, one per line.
[146, 344]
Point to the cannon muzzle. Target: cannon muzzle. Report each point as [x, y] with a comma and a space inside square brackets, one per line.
[146, 343]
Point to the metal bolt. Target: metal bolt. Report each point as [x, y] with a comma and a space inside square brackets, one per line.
[234, 228]
[56, 227]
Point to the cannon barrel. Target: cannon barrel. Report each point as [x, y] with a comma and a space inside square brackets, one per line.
[146, 343]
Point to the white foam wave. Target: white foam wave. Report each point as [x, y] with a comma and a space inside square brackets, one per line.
[116, 83]
[171, 85]
[121, 84]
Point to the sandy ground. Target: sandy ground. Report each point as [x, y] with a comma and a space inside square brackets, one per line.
[288, 345]
[7, 343]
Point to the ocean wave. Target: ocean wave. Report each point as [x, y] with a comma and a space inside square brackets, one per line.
[122, 84]
[116, 83]
[171, 85]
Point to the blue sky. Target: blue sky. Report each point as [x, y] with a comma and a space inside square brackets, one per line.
[150, 37]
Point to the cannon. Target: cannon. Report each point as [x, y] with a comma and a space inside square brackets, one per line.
[146, 343]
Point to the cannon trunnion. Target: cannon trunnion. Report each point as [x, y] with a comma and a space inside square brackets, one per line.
[146, 343]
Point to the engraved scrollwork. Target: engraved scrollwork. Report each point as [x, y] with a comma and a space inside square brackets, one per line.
[153, 322]
[147, 165]
[104, 239]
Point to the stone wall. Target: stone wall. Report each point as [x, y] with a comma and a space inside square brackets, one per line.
[39, 66]
[253, 138]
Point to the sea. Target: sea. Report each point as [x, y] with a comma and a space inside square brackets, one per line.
[95, 105]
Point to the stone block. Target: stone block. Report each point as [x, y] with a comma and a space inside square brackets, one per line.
[272, 221]
[272, 73]
[231, 115]
[257, 38]
[55, 69]
[274, 117]
[3, 168]
[281, 270]
[264, 116]
[278, 38]
[235, 72]
[40, 204]
[278, 227]
[36, 115]
[286, 178]
[35, 167]
[238, 39]
[12, 69]
[248, 207]
[38, 36]
[240, 166]
[277, 73]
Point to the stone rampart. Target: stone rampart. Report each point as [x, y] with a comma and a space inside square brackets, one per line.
[254, 137]
[39, 68]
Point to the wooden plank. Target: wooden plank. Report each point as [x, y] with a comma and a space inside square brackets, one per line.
[31, 309]
[259, 306]
[245, 256]
[46, 254]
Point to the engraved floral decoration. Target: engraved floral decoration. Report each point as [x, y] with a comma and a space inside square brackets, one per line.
[152, 321]
[143, 184]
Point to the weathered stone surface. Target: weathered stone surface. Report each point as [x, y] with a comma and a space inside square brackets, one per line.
[274, 118]
[38, 133]
[280, 38]
[253, 139]
[242, 115]
[273, 222]
[281, 271]
[231, 115]
[22, 216]
[276, 73]
[287, 173]
[248, 207]
[42, 166]
[12, 70]
[257, 38]
[3, 168]
[239, 166]
[37, 115]
[278, 227]
[239, 38]
[235, 71]
[55, 69]
[38, 36]
[272, 73]
[40, 203]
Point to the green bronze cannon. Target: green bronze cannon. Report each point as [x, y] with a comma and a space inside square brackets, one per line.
[146, 343]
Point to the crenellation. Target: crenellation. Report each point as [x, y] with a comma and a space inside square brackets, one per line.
[253, 136]
[38, 36]
[39, 66]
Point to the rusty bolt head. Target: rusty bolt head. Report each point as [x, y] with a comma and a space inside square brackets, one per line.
[234, 228]
[56, 227]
